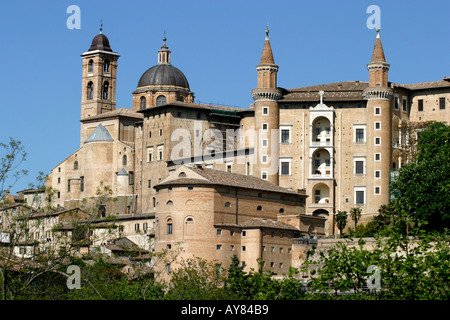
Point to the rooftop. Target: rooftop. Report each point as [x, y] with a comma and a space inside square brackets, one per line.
[222, 178]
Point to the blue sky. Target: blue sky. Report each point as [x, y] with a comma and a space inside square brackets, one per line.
[216, 44]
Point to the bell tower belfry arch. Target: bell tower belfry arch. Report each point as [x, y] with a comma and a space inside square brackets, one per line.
[98, 94]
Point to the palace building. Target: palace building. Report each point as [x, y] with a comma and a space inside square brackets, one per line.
[301, 154]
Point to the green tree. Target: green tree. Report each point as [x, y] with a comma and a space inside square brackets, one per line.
[355, 214]
[341, 220]
[424, 183]
[12, 156]
[197, 279]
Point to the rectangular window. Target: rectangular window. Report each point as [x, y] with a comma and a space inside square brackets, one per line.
[285, 168]
[264, 158]
[265, 127]
[377, 156]
[285, 136]
[317, 163]
[396, 103]
[377, 190]
[219, 247]
[377, 125]
[149, 183]
[264, 175]
[359, 132]
[136, 227]
[360, 195]
[442, 103]
[377, 141]
[420, 105]
[150, 154]
[359, 167]
[377, 111]
[169, 229]
[359, 135]
[377, 174]
[405, 106]
[265, 111]
[265, 142]
[160, 153]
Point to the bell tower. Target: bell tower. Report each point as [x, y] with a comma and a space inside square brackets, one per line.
[98, 94]
[266, 97]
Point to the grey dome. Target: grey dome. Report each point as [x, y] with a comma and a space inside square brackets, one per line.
[163, 74]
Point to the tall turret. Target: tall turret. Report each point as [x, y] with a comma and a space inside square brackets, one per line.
[266, 126]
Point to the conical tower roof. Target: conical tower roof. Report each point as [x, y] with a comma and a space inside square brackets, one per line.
[378, 52]
[267, 55]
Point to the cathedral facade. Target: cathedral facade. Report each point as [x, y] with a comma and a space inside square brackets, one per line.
[337, 145]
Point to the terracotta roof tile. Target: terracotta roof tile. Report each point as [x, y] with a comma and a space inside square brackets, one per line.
[223, 178]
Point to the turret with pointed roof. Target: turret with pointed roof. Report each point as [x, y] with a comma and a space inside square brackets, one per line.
[378, 68]
[266, 97]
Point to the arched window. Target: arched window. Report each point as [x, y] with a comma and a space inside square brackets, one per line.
[143, 103]
[189, 228]
[102, 211]
[169, 227]
[90, 91]
[106, 66]
[227, 204]
[105, 90]
[75, 165]
[91, 66]
[124, 160]
[160, 100]
[259, 208]
[182, 175]
[169, 203]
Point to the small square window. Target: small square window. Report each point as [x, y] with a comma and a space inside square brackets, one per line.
[265, 142]
[377, 125]
[264, 158]
[377, 141]
[264, 175]
[219, 247]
